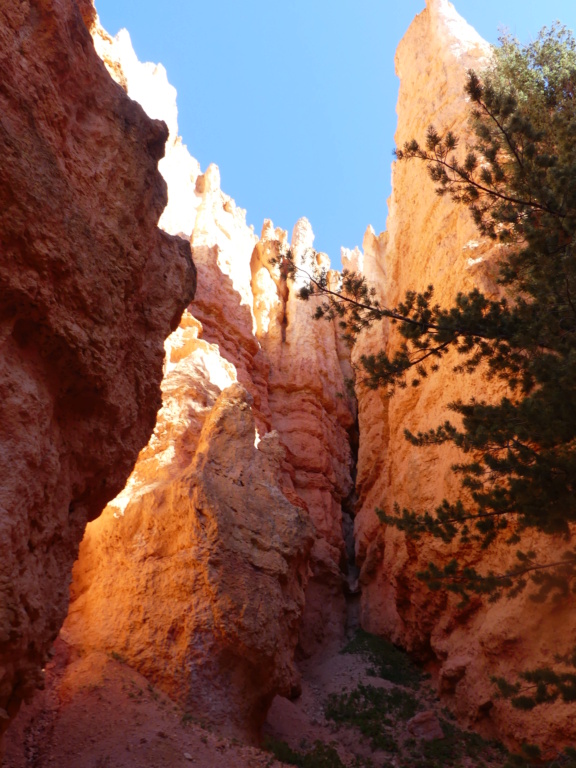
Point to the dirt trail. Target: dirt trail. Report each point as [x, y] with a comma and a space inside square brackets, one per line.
[96, 712]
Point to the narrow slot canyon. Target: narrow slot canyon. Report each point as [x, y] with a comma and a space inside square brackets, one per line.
[238, 577]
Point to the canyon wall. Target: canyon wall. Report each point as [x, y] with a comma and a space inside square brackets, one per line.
[90, 289]
[224, 557]
[432, 241]
[224, 554]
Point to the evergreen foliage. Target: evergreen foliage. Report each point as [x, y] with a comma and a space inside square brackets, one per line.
[518, 179]
[386, 660]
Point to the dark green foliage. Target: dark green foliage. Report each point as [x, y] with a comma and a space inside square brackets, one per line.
[454, 748]
[542, 685]
[373, 711]
[530, 757]
[320, 756]
[380, 714]
[388, 661]
[519, 181]
[522, 467]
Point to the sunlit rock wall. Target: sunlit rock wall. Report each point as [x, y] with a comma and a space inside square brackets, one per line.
[432, 241]
[225, 551]
[89, 290]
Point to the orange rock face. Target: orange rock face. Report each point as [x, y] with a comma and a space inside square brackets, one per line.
[224, 556]
[199, 582]
[90, 288]
[430, 240]
[224, 551]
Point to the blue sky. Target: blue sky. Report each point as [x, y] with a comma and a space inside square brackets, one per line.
[295, 100]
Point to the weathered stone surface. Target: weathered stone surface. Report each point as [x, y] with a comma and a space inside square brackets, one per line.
[245, 328]
[148, 84]
[89, 290]
[199, 582]
[430, 240]
[222, 244]
[425, 725]
[314, 415]
[222, 638]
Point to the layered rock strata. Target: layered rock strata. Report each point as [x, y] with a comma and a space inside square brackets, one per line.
[89, 290]
[430, 240]
[210, 567]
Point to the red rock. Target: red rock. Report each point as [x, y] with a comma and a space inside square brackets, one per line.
[199, 583]
[425, 725]
[313, 414]
[234, 333]
[208, 668]
[89, 290]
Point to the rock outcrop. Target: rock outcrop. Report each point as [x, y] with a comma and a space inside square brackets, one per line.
[148, 84]
[199, 582]
[315, 416]
[225, 551]
[430, 240]
[89, 290]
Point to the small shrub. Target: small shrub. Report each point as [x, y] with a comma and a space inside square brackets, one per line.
[373, 711]
[451, 751]
[320, 756]
[379, 713]
[530, 758]
[388, 661]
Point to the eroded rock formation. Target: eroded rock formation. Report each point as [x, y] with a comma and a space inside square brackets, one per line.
[314, 415]
[226, 549]
[90, 288]
[430, 240]
[224, 555]
[199, 582]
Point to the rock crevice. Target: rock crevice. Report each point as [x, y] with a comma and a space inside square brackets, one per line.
[240, 522]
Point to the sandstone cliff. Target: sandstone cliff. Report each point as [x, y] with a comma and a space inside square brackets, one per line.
[90, 288]
[314, 415]
[225, 550]
[429, 240]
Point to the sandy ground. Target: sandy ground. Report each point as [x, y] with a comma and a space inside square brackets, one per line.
[96, 712]
[301, 723]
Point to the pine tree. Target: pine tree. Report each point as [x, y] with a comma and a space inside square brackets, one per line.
[518, 180]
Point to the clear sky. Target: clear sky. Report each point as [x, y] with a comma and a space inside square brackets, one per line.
[295, 100]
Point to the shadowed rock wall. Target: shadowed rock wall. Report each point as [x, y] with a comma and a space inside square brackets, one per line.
[89, 290]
